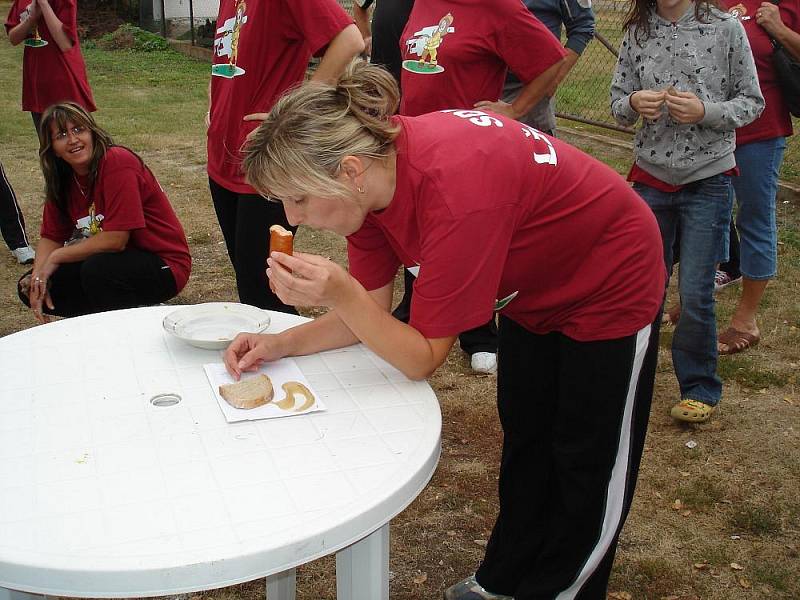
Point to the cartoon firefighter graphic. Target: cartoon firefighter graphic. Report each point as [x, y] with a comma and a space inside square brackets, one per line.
[435, 40]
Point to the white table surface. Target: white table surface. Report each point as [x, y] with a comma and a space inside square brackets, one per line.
[103, 494]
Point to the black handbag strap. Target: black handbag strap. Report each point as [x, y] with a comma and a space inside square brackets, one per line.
[776, 45]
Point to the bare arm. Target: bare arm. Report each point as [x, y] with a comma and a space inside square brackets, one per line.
[533, 91]
[769, 17]
[19, 33]
[347, 44]
[55, 26]
[104, 241]
[362, 18]
[565, 67]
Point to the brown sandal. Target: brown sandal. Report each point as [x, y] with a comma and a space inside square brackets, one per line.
[737, 341]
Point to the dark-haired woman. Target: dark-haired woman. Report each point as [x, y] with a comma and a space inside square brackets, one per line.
[687, 70]
[759, 154]
[52, 67]
[109, 236]
[500, 218]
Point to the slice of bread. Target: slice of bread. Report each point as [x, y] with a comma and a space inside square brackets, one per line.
[248, 393]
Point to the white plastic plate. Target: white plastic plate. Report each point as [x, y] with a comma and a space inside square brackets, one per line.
[213, 325]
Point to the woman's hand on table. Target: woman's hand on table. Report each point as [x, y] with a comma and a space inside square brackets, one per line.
[308, 279]
[248, 351]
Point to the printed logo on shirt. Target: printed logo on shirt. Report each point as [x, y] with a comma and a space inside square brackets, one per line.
[35, 41]
[88, 226]
[425, 44]
[739, 11]
[227, 43]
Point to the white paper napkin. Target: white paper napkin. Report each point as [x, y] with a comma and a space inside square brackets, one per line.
[280, 372]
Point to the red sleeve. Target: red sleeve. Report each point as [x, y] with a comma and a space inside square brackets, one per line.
[372, 260]
[120, 187]
[67, 13]
[54, 225]
[526, 45]
[319, 21]
[462, 263]
[12, 20]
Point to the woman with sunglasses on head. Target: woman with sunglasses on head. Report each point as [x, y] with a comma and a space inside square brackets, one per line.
[110, 238]
[499, 218]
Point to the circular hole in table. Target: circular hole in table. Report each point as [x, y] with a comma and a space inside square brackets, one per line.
[162, 400]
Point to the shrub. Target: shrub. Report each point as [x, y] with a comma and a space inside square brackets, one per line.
[130, 37]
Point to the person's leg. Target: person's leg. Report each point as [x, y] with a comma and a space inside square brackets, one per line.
[402, 311]
[731, 265]
[225, 203]
[37, 119]
[570, 460]
[480, 339]
[704, 209]
[756, 190]
[254, 217]
[12, 223]
[526, 395]
[133, 277]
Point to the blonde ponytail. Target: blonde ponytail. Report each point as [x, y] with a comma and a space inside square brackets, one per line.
[298, 149]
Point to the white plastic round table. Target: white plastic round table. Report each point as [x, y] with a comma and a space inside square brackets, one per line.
[103, 494]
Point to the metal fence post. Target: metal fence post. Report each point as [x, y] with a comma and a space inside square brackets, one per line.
[191, 19]
[163, 20]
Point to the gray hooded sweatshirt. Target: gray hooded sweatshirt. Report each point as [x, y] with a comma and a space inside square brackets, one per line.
[712, 60]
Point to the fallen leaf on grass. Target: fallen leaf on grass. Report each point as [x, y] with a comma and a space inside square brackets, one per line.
[677, 505]
[481, 542]
[686, 513]
[420, 579]
[701, 566]
[737, 567]
[745, 583]
[451, 532]
[620, 595]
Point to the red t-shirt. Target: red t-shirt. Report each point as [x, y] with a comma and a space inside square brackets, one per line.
[466, 47]
[775, 121]
[261, 49]
[48, 74]
[490, 208]
[126, 197]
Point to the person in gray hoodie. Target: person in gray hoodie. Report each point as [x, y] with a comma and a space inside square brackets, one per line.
[687, 70]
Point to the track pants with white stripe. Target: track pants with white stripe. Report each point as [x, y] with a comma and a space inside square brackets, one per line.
[12, 223]
[574, 417]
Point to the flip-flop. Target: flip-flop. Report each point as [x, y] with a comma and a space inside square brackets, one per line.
[737, 341]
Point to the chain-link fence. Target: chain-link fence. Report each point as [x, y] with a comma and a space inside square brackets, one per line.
[583, 96]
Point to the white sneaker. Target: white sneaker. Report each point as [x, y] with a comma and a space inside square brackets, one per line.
[24, 255]
[484, 362]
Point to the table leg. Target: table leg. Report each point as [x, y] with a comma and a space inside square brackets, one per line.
[6, 594]
[280, 586]
[362, 570]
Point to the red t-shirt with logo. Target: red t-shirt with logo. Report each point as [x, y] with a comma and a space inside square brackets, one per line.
[261, 49]
[775, 121]
[489, 209]
[48, 74]
[126, 197]
[456, 52]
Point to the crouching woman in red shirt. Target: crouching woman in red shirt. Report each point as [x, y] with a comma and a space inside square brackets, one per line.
[109, 236]
[569, 256]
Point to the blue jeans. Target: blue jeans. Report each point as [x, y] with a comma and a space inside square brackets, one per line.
[702, 211]
[756, 188]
